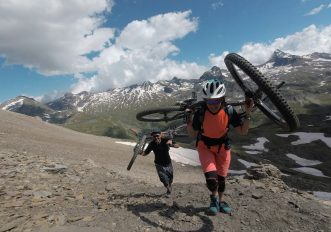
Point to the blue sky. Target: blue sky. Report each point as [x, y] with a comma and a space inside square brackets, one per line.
[48, 47]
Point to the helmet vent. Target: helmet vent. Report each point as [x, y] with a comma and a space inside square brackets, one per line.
[212, 88]
[220, 90]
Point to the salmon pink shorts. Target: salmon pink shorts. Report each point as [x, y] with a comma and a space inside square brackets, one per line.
[213, 160]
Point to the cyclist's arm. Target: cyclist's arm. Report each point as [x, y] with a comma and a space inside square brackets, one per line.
[243, 128]
[190, 130]
[193, 125]
[147, 150]
[172, 143]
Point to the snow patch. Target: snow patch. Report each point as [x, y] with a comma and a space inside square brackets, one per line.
[305, 138]
[17, 103]
[185, 156]
[322, 83]
[253, 152]
[303, 162]
[126, 143]
[259, 146]
[322, 195]
[247, 164]
[310, 171]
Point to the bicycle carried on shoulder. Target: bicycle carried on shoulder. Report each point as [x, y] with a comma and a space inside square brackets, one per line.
[143, 138]
[265, 95]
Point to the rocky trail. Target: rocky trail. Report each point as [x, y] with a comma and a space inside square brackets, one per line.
[54, 179]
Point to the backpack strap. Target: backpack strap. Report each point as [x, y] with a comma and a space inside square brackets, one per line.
[201, 116]
[229, 111]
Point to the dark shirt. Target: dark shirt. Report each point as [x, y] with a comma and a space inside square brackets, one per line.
[161, 152]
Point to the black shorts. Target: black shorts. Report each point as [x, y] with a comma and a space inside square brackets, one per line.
[166, 173]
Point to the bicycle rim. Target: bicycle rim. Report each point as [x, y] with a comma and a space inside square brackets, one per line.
[274, 107]
[161, 114]
[141, 144]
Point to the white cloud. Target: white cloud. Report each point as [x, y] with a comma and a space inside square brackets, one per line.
[316, 10]
[329, 6]
[141, 52]
[51, 36]
[157, 29]
[55, 37]
[310, 39]
[49, 96]
[217, 4]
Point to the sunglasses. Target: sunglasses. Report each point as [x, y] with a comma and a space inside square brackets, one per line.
[215, 101]
[156, 136]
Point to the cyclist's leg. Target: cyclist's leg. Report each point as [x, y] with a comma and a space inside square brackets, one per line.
[208, 164]
[170, 172]
[207, 158]
[223, 160]
[165, 174]
[162, 173]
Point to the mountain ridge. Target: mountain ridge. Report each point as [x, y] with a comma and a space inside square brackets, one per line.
[300, 73]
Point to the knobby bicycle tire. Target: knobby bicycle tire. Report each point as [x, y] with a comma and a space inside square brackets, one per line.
[291, 120]
[143, 115]
[140, 145]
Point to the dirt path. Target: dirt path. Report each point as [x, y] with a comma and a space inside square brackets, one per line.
[55, 179]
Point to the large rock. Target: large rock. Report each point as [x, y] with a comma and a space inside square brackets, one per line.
[263, 171]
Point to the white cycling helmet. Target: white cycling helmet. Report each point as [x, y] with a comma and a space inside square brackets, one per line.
[213, 88]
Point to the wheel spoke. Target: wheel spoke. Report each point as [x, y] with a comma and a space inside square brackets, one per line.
[270, 113]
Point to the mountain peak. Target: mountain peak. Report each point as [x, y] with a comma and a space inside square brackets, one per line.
[280, 58]
[214, 72]
[280, 54]
[175, 80]
[146, 83]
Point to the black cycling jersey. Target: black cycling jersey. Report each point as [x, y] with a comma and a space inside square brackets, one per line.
[161, 152]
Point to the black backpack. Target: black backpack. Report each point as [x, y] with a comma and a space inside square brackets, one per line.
[201, 111]
[210, 141]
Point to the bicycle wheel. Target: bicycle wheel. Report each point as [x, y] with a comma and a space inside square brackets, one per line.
[161, 114]
[273, 105]
[139, 147]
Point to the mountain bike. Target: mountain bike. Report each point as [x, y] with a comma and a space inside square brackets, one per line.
[266, 96]
[143, 138]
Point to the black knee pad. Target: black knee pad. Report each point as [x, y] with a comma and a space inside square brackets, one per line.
[221, 183]
[211, 180]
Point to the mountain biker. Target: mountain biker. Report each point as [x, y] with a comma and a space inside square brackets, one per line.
[160, 146]
[213, 144]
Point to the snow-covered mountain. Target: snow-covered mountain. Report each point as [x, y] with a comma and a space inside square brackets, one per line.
[307, 77]
[133, 97]
[309, 73]
[31, 107]
[281, 62]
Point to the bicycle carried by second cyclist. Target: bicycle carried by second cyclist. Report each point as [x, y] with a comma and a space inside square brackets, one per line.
[144, 138]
